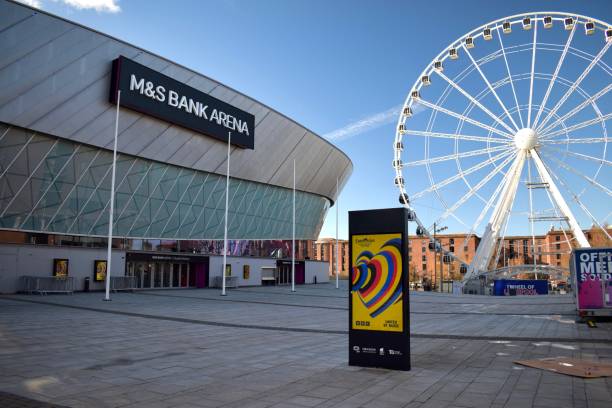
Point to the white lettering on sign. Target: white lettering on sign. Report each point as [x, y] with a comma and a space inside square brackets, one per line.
[196, 108]
[595, 266]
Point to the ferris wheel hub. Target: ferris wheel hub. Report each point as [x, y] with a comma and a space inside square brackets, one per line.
[525, 139]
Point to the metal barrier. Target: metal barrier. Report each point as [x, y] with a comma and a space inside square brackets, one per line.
[122, 283]
[47, 284]
[230, 282]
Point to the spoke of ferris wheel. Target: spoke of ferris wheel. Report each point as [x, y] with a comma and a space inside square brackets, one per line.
[501, 240]
[533, 59]
[592, 181]
[463, 118]
[531, 220]
[518, 110]
[474, 189]
[577, 109]
[574, 85]
[580, 155]
[554, 193]
[577, 126]
[456, 136]
[586, 140]
[577, 200]
[554, 77]
[463, 173]
[490, 87]
[556, 211]
[483, 213]
[475, 102]
[456, 156]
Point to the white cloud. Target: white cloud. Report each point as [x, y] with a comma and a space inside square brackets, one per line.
[370, 122]
[32, 3]
[108, 6]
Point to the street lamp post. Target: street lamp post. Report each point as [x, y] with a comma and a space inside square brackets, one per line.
[437, 229]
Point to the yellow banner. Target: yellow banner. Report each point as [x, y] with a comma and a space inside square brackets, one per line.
[376, 282]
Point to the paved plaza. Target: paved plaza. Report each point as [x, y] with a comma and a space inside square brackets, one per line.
[268, 347]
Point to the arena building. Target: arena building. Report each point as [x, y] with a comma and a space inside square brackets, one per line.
[59, 83]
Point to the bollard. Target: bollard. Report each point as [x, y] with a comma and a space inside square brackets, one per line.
[86, 288]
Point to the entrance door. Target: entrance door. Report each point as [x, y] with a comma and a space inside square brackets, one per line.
[300, 273]
[200, 270]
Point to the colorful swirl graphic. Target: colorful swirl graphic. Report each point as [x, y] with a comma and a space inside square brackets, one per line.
[377, 278]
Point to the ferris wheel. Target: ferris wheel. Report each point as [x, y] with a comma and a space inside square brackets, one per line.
[504, 133]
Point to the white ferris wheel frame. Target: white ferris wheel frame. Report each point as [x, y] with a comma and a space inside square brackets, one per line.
[541, 121]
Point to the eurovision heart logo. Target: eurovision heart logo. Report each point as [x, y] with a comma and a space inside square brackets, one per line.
[376, 278]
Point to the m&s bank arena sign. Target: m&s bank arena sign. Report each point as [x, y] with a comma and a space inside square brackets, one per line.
[155, 94]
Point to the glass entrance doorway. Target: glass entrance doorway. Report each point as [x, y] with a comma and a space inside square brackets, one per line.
[159, 275]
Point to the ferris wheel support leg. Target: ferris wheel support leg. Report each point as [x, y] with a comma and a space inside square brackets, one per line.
[498, 219]
[561, 204]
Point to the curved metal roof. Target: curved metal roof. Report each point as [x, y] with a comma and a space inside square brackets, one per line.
[55, 78]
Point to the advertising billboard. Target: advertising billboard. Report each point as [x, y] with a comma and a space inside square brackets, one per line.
[592, 275]
[376, 282]
[520, 287]
[379, 319]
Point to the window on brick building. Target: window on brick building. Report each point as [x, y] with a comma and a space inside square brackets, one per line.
[558, 256]
[423, 249]
[424, 266]
[424, 258]
[465, 249]
[452, 249]
[558, 238]
[452, 241]
[558, 246]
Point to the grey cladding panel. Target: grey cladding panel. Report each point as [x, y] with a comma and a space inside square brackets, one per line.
[54, 77]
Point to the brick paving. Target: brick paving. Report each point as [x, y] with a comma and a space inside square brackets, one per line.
[267, 347]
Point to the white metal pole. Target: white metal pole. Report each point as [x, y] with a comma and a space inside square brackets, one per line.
[337, 259]
[229, 139]
[112, 203]
[293, 236]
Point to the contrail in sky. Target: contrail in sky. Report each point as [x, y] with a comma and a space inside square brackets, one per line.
[369, 122]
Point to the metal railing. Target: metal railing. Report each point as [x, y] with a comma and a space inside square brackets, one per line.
[122, 283]
[230, 281]
[47, 284]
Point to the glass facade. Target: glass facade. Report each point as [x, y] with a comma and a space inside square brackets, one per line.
[52, 185]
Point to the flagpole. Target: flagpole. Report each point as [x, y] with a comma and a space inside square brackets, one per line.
[293, 236]
[229, 139]
[112, 203]
[337, 259]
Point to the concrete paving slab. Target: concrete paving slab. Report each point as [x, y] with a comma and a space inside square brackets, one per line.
[265, 347]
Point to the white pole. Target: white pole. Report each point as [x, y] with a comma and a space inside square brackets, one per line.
[229, 139]
[293, 236]
[337, 259]
[112, 203]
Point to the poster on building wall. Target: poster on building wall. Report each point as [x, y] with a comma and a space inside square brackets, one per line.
[246, 272]
[228, 270]
[376, 282]
[379, 318]
[100, 270]
[60, 268]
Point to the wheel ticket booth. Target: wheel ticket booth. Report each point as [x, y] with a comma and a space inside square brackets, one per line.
[157, 271]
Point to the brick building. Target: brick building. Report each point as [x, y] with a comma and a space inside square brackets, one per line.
[551, 249]
[325, 250]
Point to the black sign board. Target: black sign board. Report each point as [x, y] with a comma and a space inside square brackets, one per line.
[153, 93]
[379, 320]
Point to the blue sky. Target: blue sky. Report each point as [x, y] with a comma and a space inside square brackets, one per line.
[333, 66]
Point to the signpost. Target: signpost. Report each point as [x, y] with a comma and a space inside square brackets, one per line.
[379, 319]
